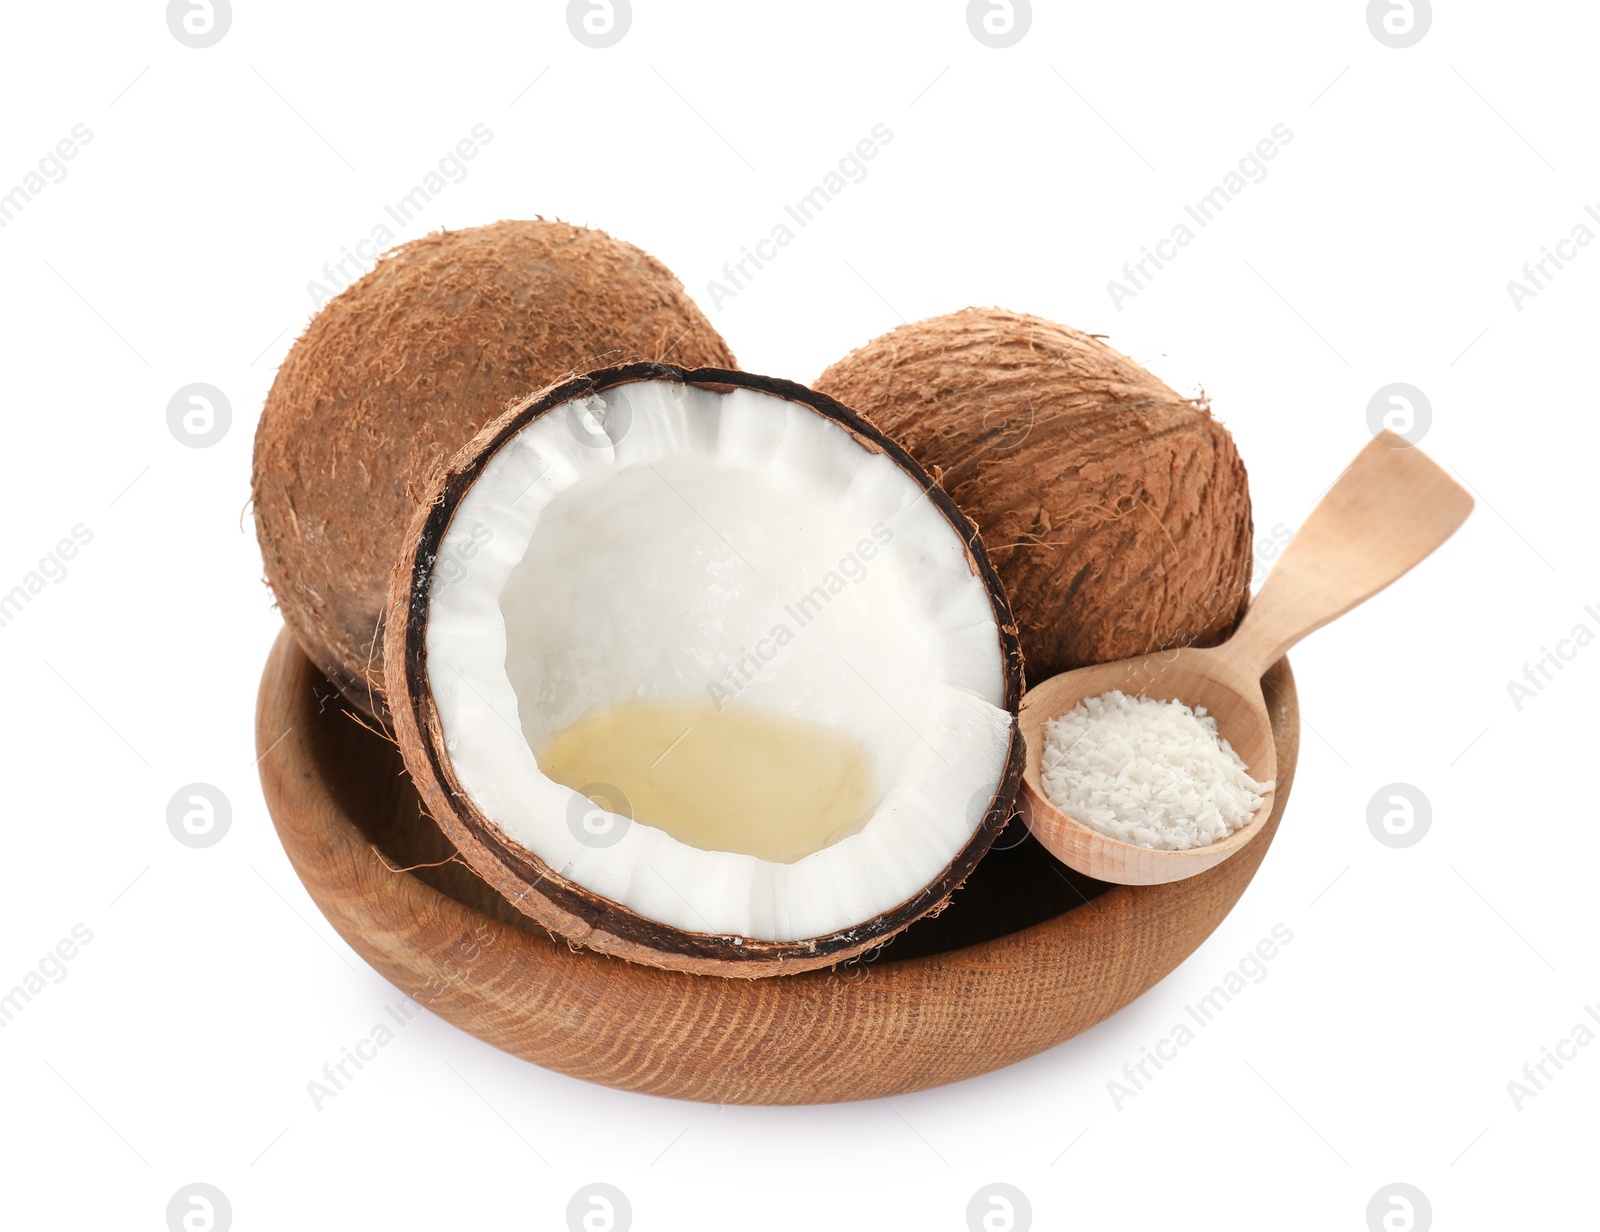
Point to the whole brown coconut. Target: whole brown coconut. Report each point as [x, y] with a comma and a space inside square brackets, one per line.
[1116, 511]
[400, 370]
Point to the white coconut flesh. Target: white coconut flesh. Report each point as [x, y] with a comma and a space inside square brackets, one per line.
[666, 543]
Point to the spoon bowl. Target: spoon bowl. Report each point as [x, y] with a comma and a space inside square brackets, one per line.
[1195, 677]
[1390, 508]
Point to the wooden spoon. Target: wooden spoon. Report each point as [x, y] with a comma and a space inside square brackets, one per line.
[1390, 508]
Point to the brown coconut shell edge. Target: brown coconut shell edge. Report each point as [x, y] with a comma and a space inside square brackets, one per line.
[564, 906]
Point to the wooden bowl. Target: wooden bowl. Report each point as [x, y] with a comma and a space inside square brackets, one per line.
[1028, 954]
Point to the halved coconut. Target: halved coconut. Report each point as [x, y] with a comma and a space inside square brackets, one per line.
[645, 549]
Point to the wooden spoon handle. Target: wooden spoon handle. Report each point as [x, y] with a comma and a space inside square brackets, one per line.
[1392, 506]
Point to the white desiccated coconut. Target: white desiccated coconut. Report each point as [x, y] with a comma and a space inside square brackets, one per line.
[1148, 772]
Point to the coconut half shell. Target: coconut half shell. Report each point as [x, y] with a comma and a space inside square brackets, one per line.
[399, 371]
[563, 905]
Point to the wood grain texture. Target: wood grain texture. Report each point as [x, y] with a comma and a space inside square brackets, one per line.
[949, 1000]
[1390, 510]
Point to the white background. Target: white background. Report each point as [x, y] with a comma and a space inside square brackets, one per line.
[178, 248]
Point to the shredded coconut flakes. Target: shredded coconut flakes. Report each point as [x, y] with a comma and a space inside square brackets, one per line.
[1148, 772]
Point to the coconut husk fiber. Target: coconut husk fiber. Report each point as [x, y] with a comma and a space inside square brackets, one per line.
[400, 370]
[1116, 511]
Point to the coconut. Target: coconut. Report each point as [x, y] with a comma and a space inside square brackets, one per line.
[1116, 511]
[780, 651]
[400, 370]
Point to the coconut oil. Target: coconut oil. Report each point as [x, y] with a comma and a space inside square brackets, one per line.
[735, 780]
